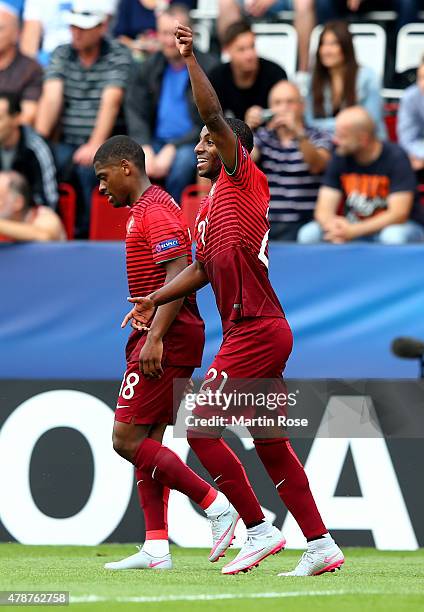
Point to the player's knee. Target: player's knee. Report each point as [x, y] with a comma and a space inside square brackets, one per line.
[125, 448]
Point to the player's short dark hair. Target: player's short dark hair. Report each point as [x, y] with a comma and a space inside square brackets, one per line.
[235, 29]
[242, 131]
[117, 148]
[13, 101]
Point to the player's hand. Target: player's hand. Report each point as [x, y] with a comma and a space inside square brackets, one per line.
[150, 360]
[141, 314]
[184, 40]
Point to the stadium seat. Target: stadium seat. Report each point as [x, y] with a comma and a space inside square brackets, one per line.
[67, 208]
[409, 47]
[277, 42]
[106, 222]
[369, 41]
[190, 202]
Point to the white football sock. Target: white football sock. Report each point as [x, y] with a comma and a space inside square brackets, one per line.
[259, 530]
[156, 548]
[218, 506]
[324, 542]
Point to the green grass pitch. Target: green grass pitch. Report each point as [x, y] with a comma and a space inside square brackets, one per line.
[369, 580]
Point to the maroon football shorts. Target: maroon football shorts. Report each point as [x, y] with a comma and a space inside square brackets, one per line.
[251, 359]
[147, 401]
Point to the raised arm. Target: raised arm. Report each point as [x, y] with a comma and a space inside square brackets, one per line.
[207, 101]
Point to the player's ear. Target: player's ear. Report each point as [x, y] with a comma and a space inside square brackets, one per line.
[126, 167]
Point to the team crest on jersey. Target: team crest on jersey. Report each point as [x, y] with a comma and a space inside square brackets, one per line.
[167, 244]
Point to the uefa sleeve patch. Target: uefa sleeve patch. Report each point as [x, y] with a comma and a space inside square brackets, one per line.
[167, 244]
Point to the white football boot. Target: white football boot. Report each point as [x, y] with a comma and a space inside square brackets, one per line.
[262, 541]
[141, 560]
[321, 556]
[223, 527]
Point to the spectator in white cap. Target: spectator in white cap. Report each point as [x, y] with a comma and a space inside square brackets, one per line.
[45, 26]
[83, 92]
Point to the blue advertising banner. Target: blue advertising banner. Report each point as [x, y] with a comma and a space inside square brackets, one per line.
[62, 305]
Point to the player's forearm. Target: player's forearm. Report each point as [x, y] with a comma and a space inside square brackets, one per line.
[165, 314]
[187, 282]
[204, 94]
[163, 319]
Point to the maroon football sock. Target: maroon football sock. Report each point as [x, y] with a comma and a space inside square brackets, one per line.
[228, 473]
[288, 475]
[167, 468]
[153, 496]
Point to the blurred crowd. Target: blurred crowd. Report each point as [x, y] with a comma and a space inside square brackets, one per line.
[73, 73]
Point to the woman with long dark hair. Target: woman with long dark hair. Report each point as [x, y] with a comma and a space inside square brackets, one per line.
[338, 81]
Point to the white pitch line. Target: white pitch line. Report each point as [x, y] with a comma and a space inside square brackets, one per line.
[218, 596]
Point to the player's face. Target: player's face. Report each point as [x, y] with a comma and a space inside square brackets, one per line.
[208, 161]
[112, 184]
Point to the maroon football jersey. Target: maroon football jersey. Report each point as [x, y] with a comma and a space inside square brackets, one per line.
[156, 233]
[232, 243]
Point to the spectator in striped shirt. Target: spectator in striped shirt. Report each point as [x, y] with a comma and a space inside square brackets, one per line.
[82, 94]
[293, 158]
[23, 150]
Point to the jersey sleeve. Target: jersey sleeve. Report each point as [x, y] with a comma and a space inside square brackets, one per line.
[165, 233]
[244, 170]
